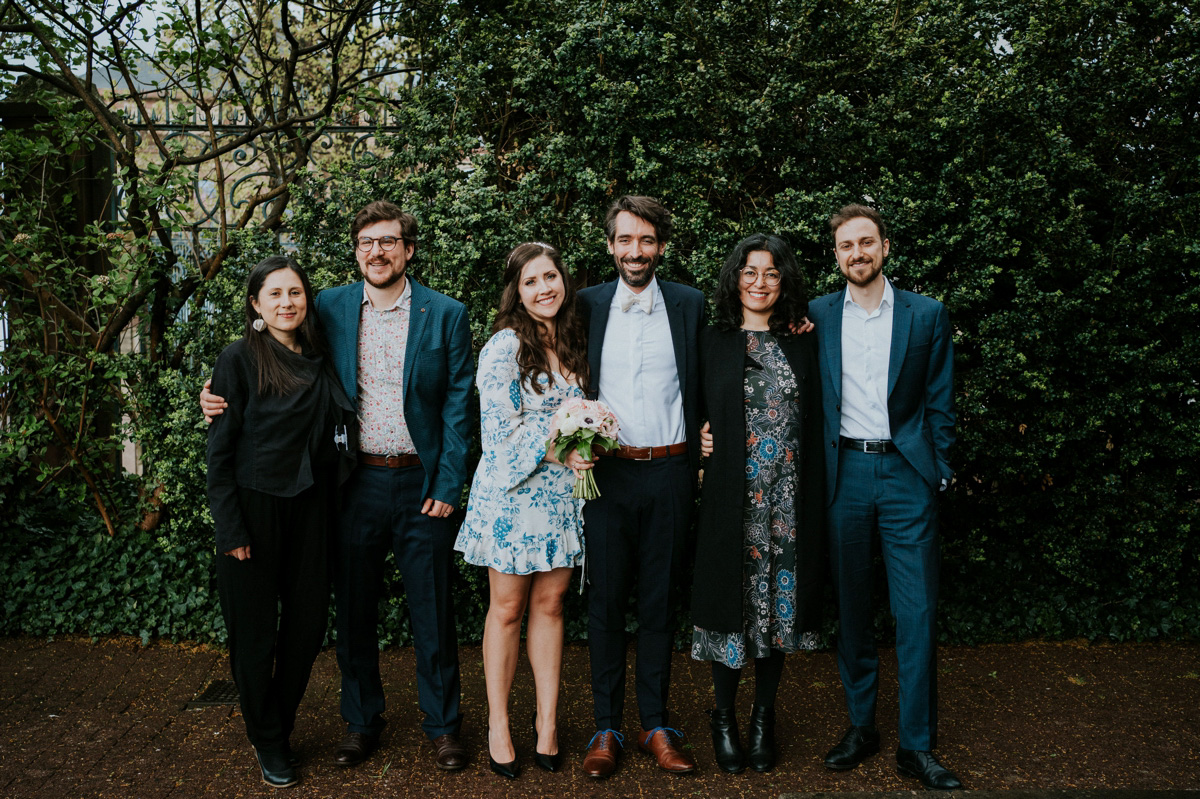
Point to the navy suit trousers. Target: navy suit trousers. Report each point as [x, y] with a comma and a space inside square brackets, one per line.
[382, 511]
[882, 496]
[636, 531]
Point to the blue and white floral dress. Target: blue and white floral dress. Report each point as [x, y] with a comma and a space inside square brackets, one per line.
[521, 517]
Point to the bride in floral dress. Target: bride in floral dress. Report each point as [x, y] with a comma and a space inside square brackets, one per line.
[522, 523]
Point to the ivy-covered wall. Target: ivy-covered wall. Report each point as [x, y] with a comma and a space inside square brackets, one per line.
[1039, 166]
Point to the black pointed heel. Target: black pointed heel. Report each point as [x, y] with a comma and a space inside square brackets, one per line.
[548, 762]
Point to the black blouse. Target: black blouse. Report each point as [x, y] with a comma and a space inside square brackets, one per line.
[279, 445]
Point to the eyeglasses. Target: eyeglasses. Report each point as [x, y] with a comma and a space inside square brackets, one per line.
[386, 243]
[751, 276]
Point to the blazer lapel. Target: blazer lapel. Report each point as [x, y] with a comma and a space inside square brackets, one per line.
[351, 319]
[418, 316]
[597, 325]
[831, 340]
[902, 317]
[678, 326]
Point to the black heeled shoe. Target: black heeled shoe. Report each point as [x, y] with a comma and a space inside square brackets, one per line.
[548, 762]
[760, 738]
[507, 770]
[726, 746]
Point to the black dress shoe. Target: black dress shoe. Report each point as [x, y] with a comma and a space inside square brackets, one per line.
[726, 746]
[548, 762]
[354, 748]
[449, 753]
[856, 745]
[275, 769]
[925, 767]
[760, 738]
[506, 770]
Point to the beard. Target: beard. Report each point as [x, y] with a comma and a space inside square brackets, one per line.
[639, 279]
[866, 279]
[387, 282]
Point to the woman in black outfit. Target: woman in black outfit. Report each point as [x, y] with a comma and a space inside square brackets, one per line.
[760, 554]
[273, 470]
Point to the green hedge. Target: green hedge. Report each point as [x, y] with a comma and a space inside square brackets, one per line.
[1038, 165]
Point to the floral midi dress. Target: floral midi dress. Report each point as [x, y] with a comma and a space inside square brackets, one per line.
[769, 515]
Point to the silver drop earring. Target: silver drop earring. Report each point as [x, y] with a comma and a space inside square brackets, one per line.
[258, 324]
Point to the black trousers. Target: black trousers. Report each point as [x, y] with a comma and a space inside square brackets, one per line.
[276, 604]
[636, 532]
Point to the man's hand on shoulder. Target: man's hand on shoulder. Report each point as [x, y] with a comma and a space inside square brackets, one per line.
[211, 405]
[803, 326]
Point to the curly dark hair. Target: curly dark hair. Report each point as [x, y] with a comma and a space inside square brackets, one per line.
[570, 340]
[792, 305]
[274, 375]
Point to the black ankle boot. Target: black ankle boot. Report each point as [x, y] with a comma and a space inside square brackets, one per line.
[726, 745]
[760, 738]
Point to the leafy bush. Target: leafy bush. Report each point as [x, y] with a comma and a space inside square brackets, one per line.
[1038, 166]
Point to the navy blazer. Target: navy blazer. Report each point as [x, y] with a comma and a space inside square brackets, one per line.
[438, 372]
[685, 314]
[920, 387]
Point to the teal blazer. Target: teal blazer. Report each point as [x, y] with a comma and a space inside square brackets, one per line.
[920, 385]
[438, 374]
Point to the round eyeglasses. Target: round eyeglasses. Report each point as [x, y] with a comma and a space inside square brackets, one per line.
[386, 243]
[750, 276]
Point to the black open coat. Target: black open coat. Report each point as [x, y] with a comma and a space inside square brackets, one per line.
[717, 595]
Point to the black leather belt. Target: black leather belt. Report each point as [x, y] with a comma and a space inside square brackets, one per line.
[869, 447]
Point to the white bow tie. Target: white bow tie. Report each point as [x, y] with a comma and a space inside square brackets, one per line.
[645, 301]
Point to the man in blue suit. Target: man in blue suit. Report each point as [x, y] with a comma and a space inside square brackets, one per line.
[403, 354]
[642, 356]
[886, 363]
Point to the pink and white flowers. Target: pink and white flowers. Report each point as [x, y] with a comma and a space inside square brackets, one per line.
[581, 425]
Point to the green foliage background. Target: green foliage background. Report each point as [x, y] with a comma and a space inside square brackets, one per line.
[1038, 165]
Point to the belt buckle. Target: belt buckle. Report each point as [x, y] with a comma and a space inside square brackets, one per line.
[391, 461]
[649, 454]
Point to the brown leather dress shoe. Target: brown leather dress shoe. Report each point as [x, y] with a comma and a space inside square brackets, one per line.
[659, 743]
[451, 754]
[601, 758]
[354, 748]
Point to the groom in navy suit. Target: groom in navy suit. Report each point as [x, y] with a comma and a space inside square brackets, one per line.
[886, 363]
[403, 354]
[642, 356]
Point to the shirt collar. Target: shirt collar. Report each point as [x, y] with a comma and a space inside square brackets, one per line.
[889, 296]
[402, 301]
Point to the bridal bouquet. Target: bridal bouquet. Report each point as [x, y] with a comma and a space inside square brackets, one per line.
[583, 424]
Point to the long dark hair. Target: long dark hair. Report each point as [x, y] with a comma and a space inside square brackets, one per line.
[570, 341]
[792, 305]
[275, 376]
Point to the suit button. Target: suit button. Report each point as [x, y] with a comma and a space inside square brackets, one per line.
[833, 444]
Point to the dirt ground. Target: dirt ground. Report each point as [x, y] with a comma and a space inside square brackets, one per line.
[107, 719]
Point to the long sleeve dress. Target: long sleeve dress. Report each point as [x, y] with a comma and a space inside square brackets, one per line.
[521, 517]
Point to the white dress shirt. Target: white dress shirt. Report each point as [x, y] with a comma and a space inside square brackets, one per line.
[639, 379]
[866, 351]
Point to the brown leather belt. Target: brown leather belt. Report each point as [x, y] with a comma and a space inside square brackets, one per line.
[390, 461]
[650, 453]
